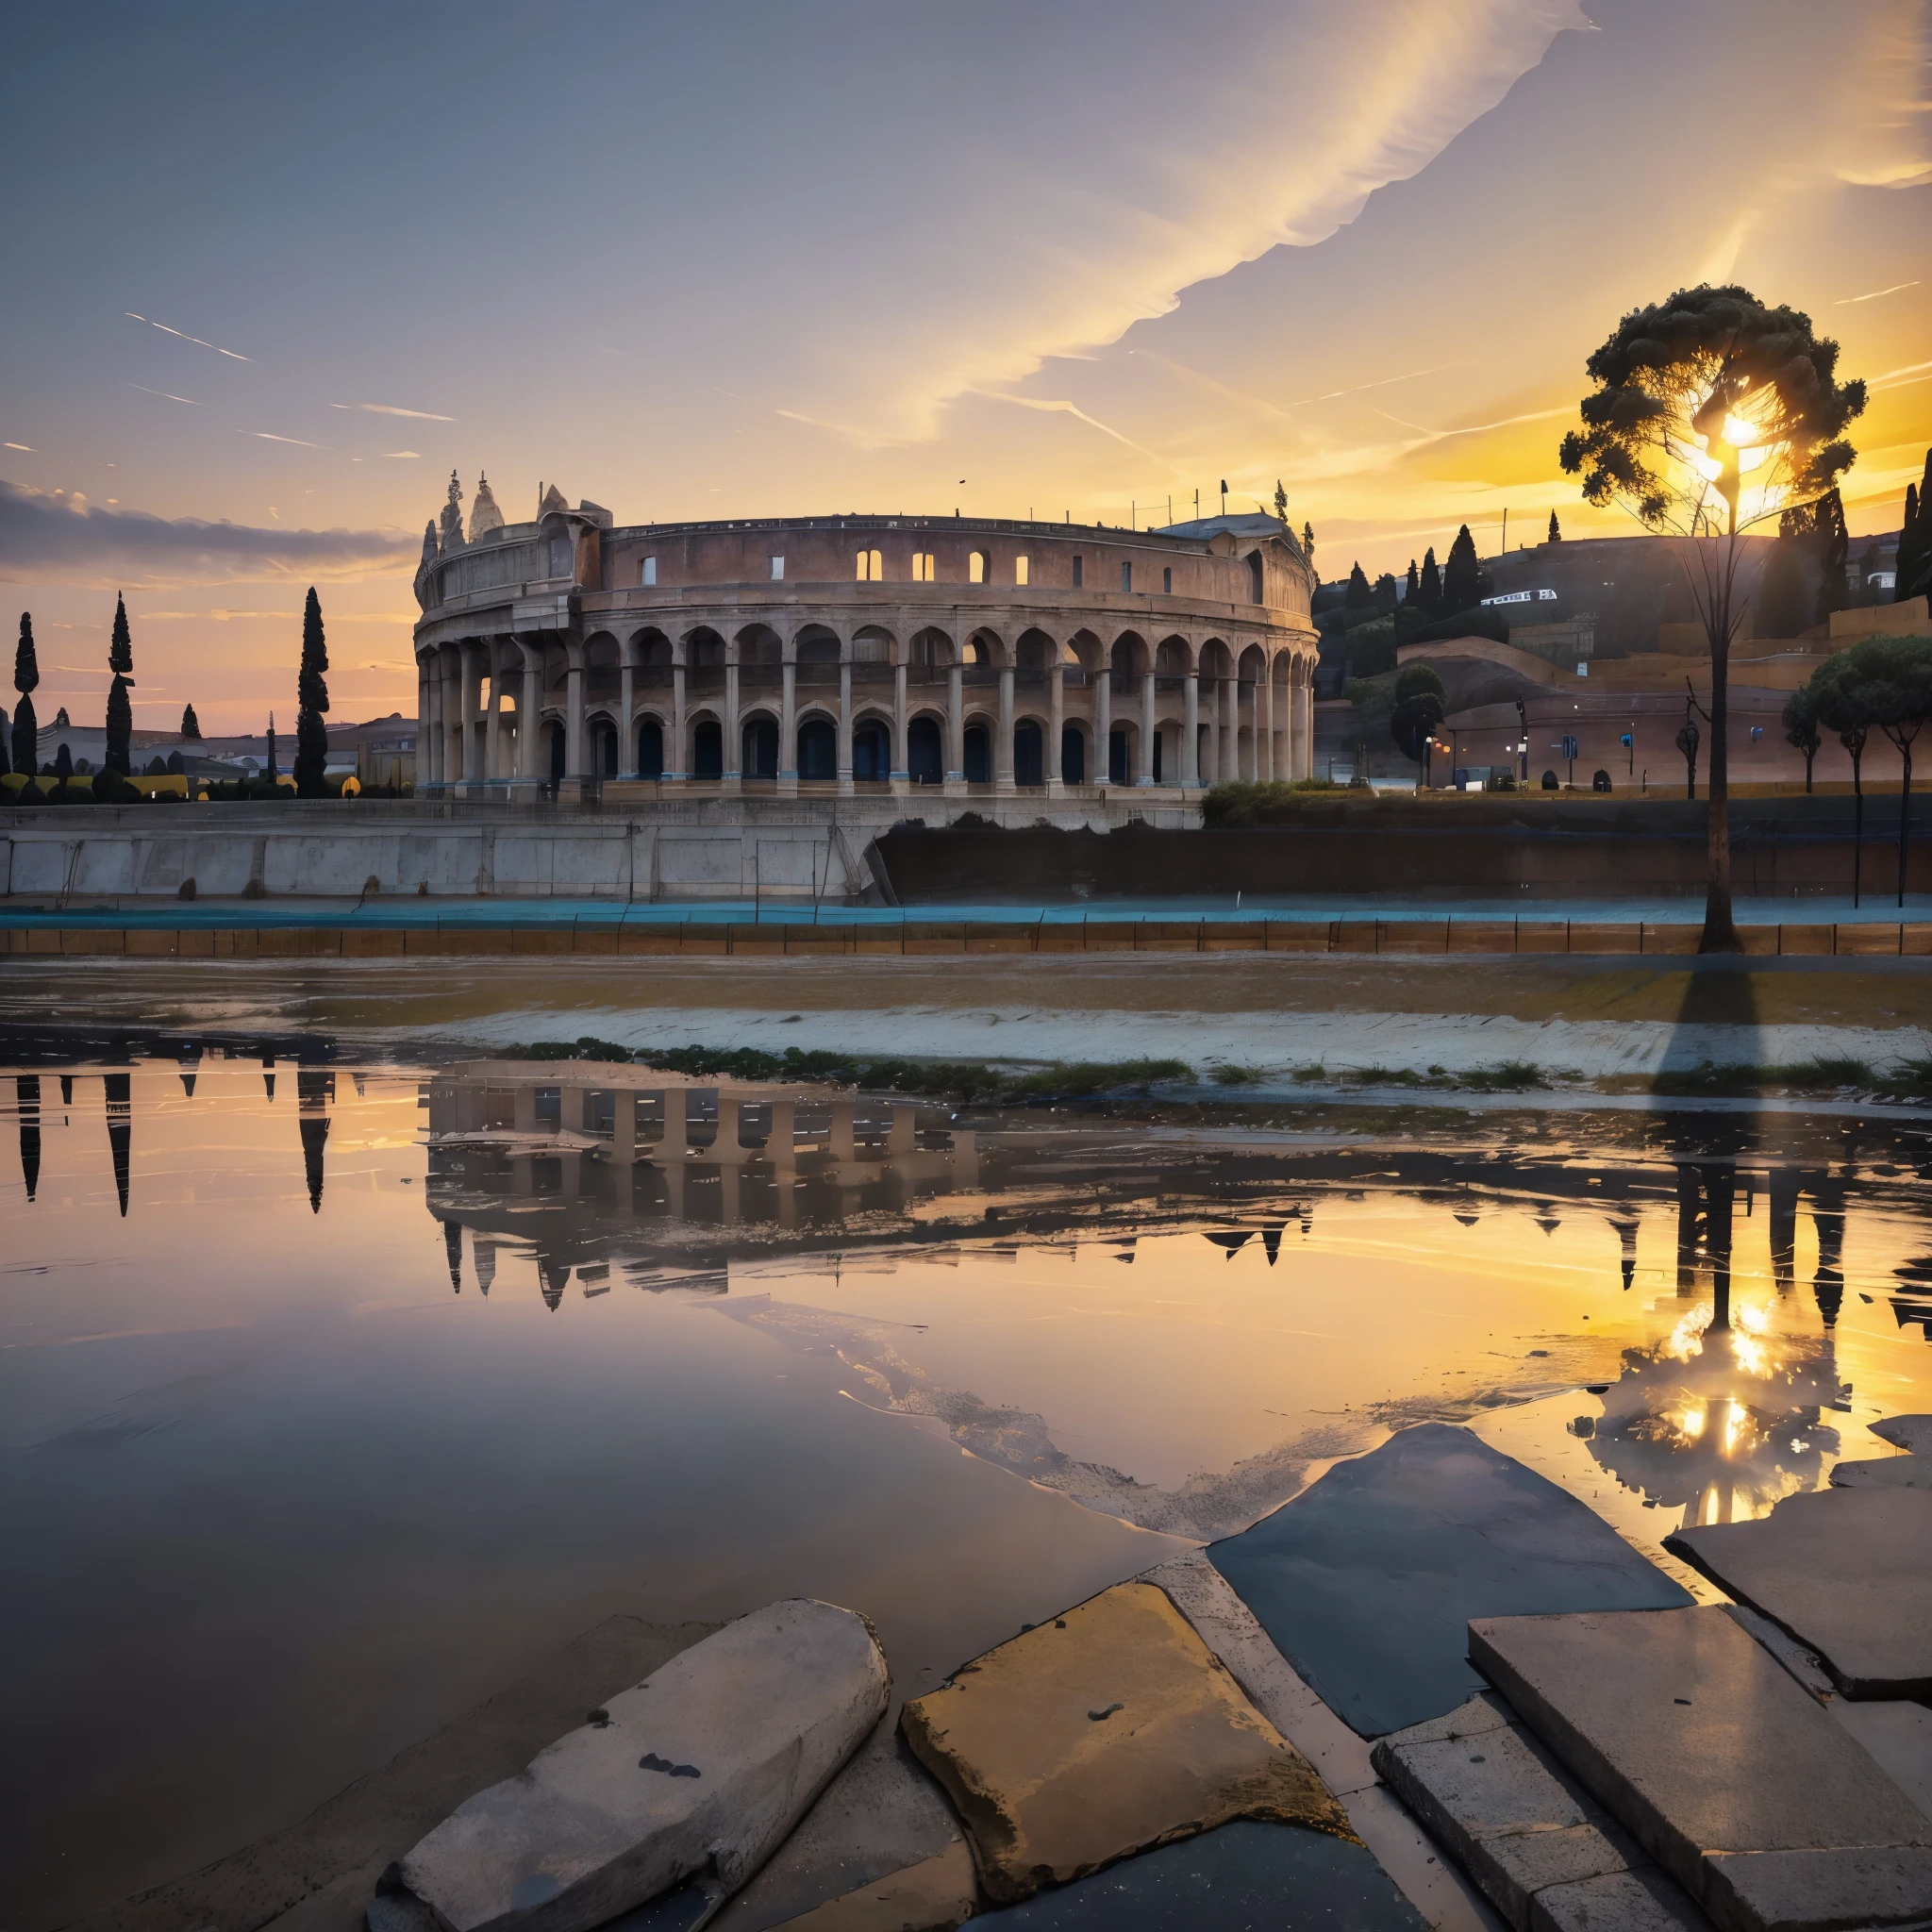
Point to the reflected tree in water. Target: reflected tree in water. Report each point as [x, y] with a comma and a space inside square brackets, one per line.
[453, 1251]
[555, 1277]
[315, 1088]
[120, 1131]
[27, 1093]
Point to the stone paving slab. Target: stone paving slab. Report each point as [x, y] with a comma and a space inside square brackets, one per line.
[1490, 1793]
[1226, 1625]
[1242, 1877]
[707, 1764]
[1908, 1432]
[936, 1893]
[1701, 1747]
[1108, 1731]
[1847, 1572]
[882, 1817]
[1884, 1473]
[1367, 1582]
[1898, 1737]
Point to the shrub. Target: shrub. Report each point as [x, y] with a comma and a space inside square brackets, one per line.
[185, 889]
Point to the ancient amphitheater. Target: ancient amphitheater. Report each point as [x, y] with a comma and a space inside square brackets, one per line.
[857, 654]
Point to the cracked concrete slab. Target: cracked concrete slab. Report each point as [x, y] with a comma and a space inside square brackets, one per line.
[1366, 1582]
[1847, 1572]
[705, 1766]
[937, 1894]
[1884, 1473]
[1108, 1731]
[1912, 1433]
[1738, 1784]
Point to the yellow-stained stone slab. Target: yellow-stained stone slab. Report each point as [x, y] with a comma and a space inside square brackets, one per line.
[935, 1894]
[1110, 1731]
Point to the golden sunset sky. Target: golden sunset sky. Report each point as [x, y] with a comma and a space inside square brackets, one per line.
[280, 270]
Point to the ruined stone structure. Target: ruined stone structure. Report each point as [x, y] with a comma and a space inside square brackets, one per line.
[859, 654]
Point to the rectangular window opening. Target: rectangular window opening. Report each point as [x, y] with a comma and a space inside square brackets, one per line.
[1079, 572]
[1019, 569]
[1127, 576]
[1167, 583]
[649, 574]
[777, 570]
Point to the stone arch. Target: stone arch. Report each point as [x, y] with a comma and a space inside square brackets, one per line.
[1034, 652]
[872, 744]
[1173, 658]
[758, 748]
[925, 746]
[1128, 656]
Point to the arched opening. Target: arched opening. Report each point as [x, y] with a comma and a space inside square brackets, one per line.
[603, 748]
[650, 749]
[1254, 575]
[925, 760]
[559, 752]
[1159, 742]
[1120, 748]
[872, 751]
[978, 755]
[760, 747]
[1029, 754]
[871, 567]
[1073, 754]
[818, 751]
[977, 570]
[707, 749]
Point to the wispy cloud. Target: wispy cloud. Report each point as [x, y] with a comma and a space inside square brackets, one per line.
[1065, 408]
[1845, 301]
[1901, 378]
[266, 437]
[165, 395]
[26, 448]
[397, 455]
[389, 409]
[1474, 428]
[46, 539]
[232, 354]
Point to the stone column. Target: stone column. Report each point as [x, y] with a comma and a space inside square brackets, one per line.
[1056, 722]
[680, 730]
[677, 1135]
[492, 718]
[1190, 731]
[531, 714]
[1003, 751]
[470, 671]
[846, 718]
[1254, 734]
[626, 720]
[1146, 776]
[1227, 719]
[788, 724]
[1103, 720]
[732, 750]
[574, 716]
[421, 721]
[781, 1149]
[1305, 712]
[956, 725]
[1267, 760]
[841, 1143]
[623, 1125]
[902, 769]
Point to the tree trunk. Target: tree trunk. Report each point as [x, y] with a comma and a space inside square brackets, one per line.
[1905, 811]
[1808, 757]
[1858, 822]
[1720, 930]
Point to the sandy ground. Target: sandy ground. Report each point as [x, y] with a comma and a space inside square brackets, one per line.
[1589, 1018]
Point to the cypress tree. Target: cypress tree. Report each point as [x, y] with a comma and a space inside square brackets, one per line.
[1462, 575]
[26, 674]
[1414, 584]
[1358, 596]
[1556, 529]
[1431, 590]
[274, 771]
[190, 724]
[1914, 569]
[118, 756]
[1308, 529]
[1280, 504]
[311, 702]
[6, 743]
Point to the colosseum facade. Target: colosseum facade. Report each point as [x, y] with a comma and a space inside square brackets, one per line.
[857, 654]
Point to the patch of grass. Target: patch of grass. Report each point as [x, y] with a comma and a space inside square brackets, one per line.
[1739, 1079]
[1225, 1075]
[1509, 1077]
[929, 1079]
[1908, 1080]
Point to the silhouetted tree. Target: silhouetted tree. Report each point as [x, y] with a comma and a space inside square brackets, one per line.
[1419, 708]
[1360, 595]
[1280, 504]
[1836, 713]
[1431, 587]
[313, 1087]
[63, 762]
[26, 674]
[117, 758]
[1784, 606]
[1885, 681]
[27, 1094]
[6, 743]
[311, 734]
[1800, 728]
[274, 770]
[190, 724]
[1308, 541]
[1914, 579]
[1556, 529]
[1462, 575]
[120, 1131]
[453, 1252]
[1692, 396]
[1413, 584]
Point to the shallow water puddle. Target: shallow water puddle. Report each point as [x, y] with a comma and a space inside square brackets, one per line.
[330, 1397]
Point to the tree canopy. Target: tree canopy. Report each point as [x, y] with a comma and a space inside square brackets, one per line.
[311, 703]
[190, 724]
[26, 664]
[118, 756]
[1418, 680]
[1556, 529]
[121, 645]
[1914, 579]
[1360, 594]
[1711, 368]
[1431, 590]
[1462, 575]
[26, 674]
